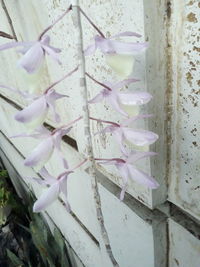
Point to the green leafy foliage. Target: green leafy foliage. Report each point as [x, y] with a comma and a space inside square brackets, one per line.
[41, 248]
[14, 259]
[6, 196]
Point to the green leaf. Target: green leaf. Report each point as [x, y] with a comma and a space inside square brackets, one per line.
[24, 227]
[4, 174]
[14, 259]
[65, 262]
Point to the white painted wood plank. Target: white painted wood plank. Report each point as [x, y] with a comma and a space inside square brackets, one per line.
[112, 17]
[185, 139]
[184, 247]
[131, 237]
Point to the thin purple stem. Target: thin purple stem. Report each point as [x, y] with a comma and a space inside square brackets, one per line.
[110, 122]
[57, 20]
[103, 85]
[67, 125]
[69, 171]
[64, 77]
[79, 165]
[9, 19]
[117, 159]
[93, 25]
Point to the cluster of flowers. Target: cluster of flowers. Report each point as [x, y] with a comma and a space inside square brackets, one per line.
[119, 55]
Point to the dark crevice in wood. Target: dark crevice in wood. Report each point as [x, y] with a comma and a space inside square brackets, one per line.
[185, 220]
[12, 103]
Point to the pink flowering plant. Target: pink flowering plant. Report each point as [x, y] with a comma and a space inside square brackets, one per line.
[118, 54]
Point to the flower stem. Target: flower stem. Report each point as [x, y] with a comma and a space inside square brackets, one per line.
[88, 138]
[93, 25]
[67, 125]
[54, 23]
[117, 159]
[60, 80]
[71, 170]
[93, 79]
[110, 122]
[79, 165]
[9, 19]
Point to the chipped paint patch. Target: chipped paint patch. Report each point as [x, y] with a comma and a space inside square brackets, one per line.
[192, 17]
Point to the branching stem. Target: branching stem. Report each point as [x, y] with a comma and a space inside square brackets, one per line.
[92, 23]
[93, 79]
[110, 122]
[54, 23]
[61, 79]
[88, 138]
[9, 19]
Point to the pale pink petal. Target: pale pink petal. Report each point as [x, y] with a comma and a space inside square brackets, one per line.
[90, 50]
[127, 33]
[104, 45]
[15, 90]
[123, 83]
[12, 45]
[118, 135]
[48, 197]
[41, 154]
[112, 99]
[136, 98]
[52, 52]
[57, 143]
[123, 169]
[34, 110]
[26, 135]
[39, 133]
[123, 48]
[136, 155]
[139, 137]
[142, 178]
[52, 95]
[47, 176]
[51, 98]
[42, 132]
[98, 98]
[135, 118]
[32, 59]
[55, 49]
[63, 189]
[45, 40]
[26, 47]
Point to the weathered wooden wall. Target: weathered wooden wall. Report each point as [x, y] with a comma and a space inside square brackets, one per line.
[150, 228]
